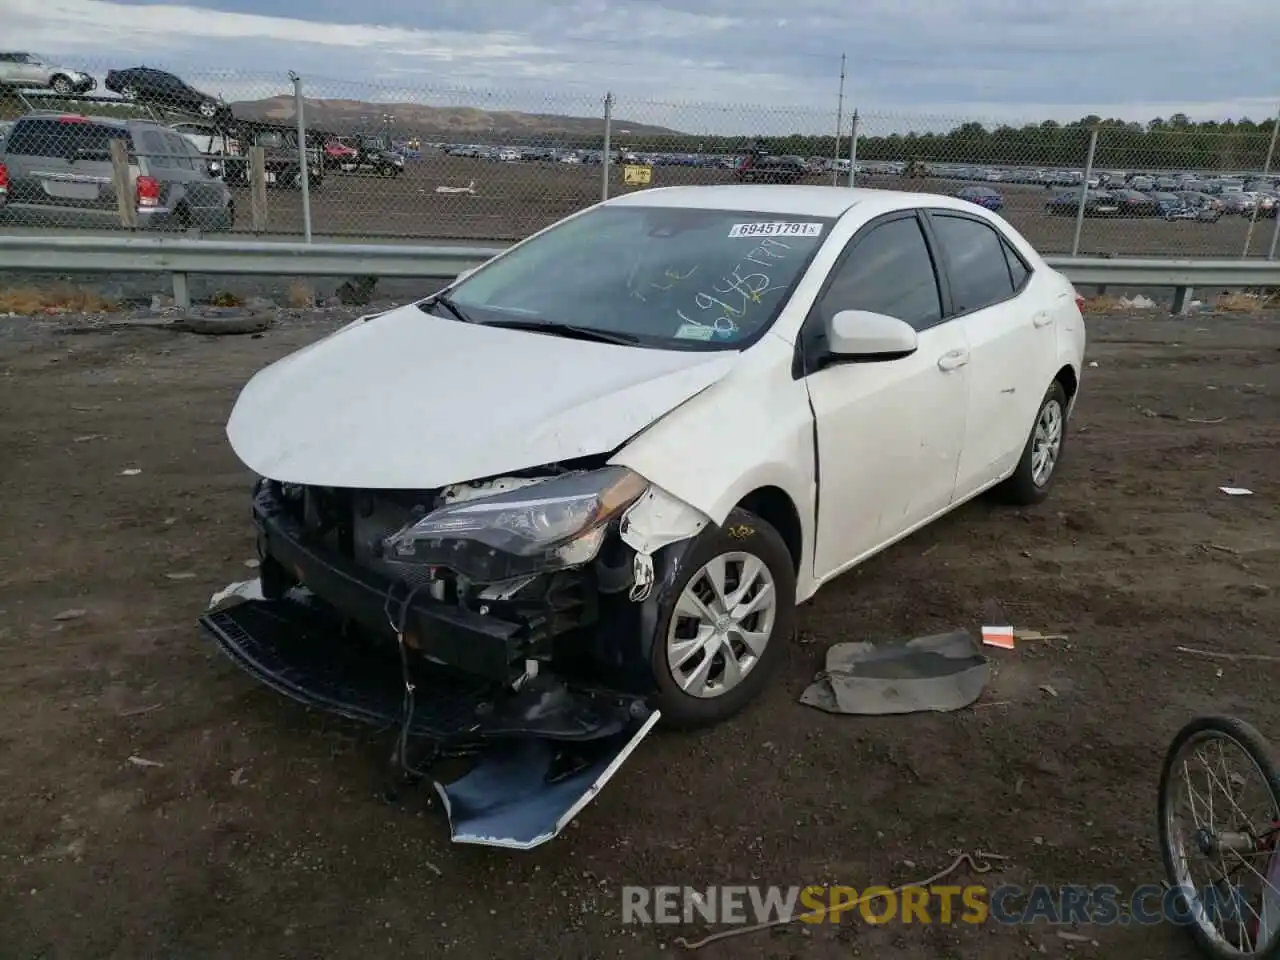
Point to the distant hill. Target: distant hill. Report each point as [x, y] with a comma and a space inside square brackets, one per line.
[450, 123]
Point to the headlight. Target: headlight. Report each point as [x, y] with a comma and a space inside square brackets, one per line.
[549, 525]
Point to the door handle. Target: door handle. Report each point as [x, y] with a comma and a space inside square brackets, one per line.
[1042, 319]
[953, 359]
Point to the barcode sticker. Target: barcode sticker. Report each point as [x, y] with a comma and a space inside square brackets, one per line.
[776, 228]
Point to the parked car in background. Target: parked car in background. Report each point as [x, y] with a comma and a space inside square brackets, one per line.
[982, 196]
[1166, 201]
[758, 167]
[337, 152]
[59, 173]
[373, 155]
[227, 152]
[1097, 203]
[1201, 201]
[1132, 203]
[27, 71]
[161, 89]
[1236, 203]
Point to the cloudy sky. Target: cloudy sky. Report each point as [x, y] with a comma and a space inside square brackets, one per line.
[911, 63]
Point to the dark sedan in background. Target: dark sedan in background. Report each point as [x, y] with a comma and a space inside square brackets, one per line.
[982, 196]
[1098, 203]
[158, 88]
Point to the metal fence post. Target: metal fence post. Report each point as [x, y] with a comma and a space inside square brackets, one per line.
[1084, 191]
[853, 150]
[1266, 169]
[126, 203]
[258, 188]
[1275, 235]
[608, 136]
[304, 157]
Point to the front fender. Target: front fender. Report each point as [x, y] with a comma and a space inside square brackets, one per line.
[752, 429]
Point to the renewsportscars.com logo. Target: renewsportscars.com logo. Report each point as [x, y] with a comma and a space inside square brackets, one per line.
[937, 904]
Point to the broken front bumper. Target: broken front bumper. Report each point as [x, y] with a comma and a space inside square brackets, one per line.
[483, 646]
[542, 753]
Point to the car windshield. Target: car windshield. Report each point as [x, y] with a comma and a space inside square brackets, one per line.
[669, 277]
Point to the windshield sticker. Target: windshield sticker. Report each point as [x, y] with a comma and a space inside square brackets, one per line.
[694, 331]
[776, 228]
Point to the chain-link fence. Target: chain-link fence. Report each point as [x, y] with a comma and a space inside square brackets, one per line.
[143, 149]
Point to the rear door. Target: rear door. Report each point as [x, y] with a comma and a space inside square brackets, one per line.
[61, 167]
[1007, 314]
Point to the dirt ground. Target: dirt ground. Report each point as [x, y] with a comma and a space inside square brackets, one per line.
[264, 833]
[512, 200]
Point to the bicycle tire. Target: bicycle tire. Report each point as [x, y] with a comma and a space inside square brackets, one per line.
[1259, 751]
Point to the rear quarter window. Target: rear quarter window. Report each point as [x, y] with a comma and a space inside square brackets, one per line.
[54, 137]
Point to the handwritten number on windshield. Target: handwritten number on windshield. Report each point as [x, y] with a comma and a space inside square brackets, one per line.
[749, 288]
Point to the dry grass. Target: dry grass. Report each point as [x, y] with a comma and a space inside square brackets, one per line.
[1104, 303]
[1240, 303]
[224, 299]
[301, 296]
[60, 299]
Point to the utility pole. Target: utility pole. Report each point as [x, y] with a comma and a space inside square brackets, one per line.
[835, 166]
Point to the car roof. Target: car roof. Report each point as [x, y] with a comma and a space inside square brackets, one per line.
[796, 200]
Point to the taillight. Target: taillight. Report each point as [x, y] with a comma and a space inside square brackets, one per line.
[4, 178]
[148, 192]
[1080, 303]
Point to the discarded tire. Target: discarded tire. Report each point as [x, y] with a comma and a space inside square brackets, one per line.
[223, 321]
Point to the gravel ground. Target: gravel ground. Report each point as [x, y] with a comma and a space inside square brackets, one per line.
[264, 832]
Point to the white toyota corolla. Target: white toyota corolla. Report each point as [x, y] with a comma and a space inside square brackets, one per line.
[595, 476]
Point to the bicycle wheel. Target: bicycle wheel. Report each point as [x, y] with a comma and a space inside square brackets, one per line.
[1219, 834]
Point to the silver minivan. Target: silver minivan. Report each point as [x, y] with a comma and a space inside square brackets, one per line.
[58, 173]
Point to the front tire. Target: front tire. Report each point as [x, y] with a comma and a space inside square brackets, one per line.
[62, 85]
[1033, 478]
[723, 625]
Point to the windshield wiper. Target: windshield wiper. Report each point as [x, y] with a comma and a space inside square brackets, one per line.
[444, 300]
[566, 330]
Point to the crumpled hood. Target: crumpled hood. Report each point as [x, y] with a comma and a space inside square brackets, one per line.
[407, 400]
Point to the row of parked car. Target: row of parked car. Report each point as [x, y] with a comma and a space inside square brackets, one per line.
[1127, 202]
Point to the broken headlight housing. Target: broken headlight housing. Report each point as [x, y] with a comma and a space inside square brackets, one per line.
[545, 526]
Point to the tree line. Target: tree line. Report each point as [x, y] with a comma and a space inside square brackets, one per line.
[1173, 143]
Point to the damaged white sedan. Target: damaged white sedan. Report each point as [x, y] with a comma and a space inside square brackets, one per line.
[590, 480]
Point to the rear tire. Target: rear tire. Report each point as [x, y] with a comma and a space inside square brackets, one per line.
[1031, 482]
[743, 539]
[61, 85]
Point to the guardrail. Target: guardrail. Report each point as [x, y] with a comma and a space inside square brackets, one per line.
[182, 257]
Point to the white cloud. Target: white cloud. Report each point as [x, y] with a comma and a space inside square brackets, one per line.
[713, 65]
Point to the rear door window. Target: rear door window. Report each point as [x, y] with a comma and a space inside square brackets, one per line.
[154, 148]
[977, 264]
[57, 137]
[179, 148]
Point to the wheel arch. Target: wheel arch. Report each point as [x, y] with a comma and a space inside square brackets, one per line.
[775, 507]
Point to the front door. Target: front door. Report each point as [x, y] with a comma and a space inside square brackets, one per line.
[889, 433]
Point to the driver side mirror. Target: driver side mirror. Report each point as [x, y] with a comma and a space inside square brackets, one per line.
[464, 274]
[855, 336]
